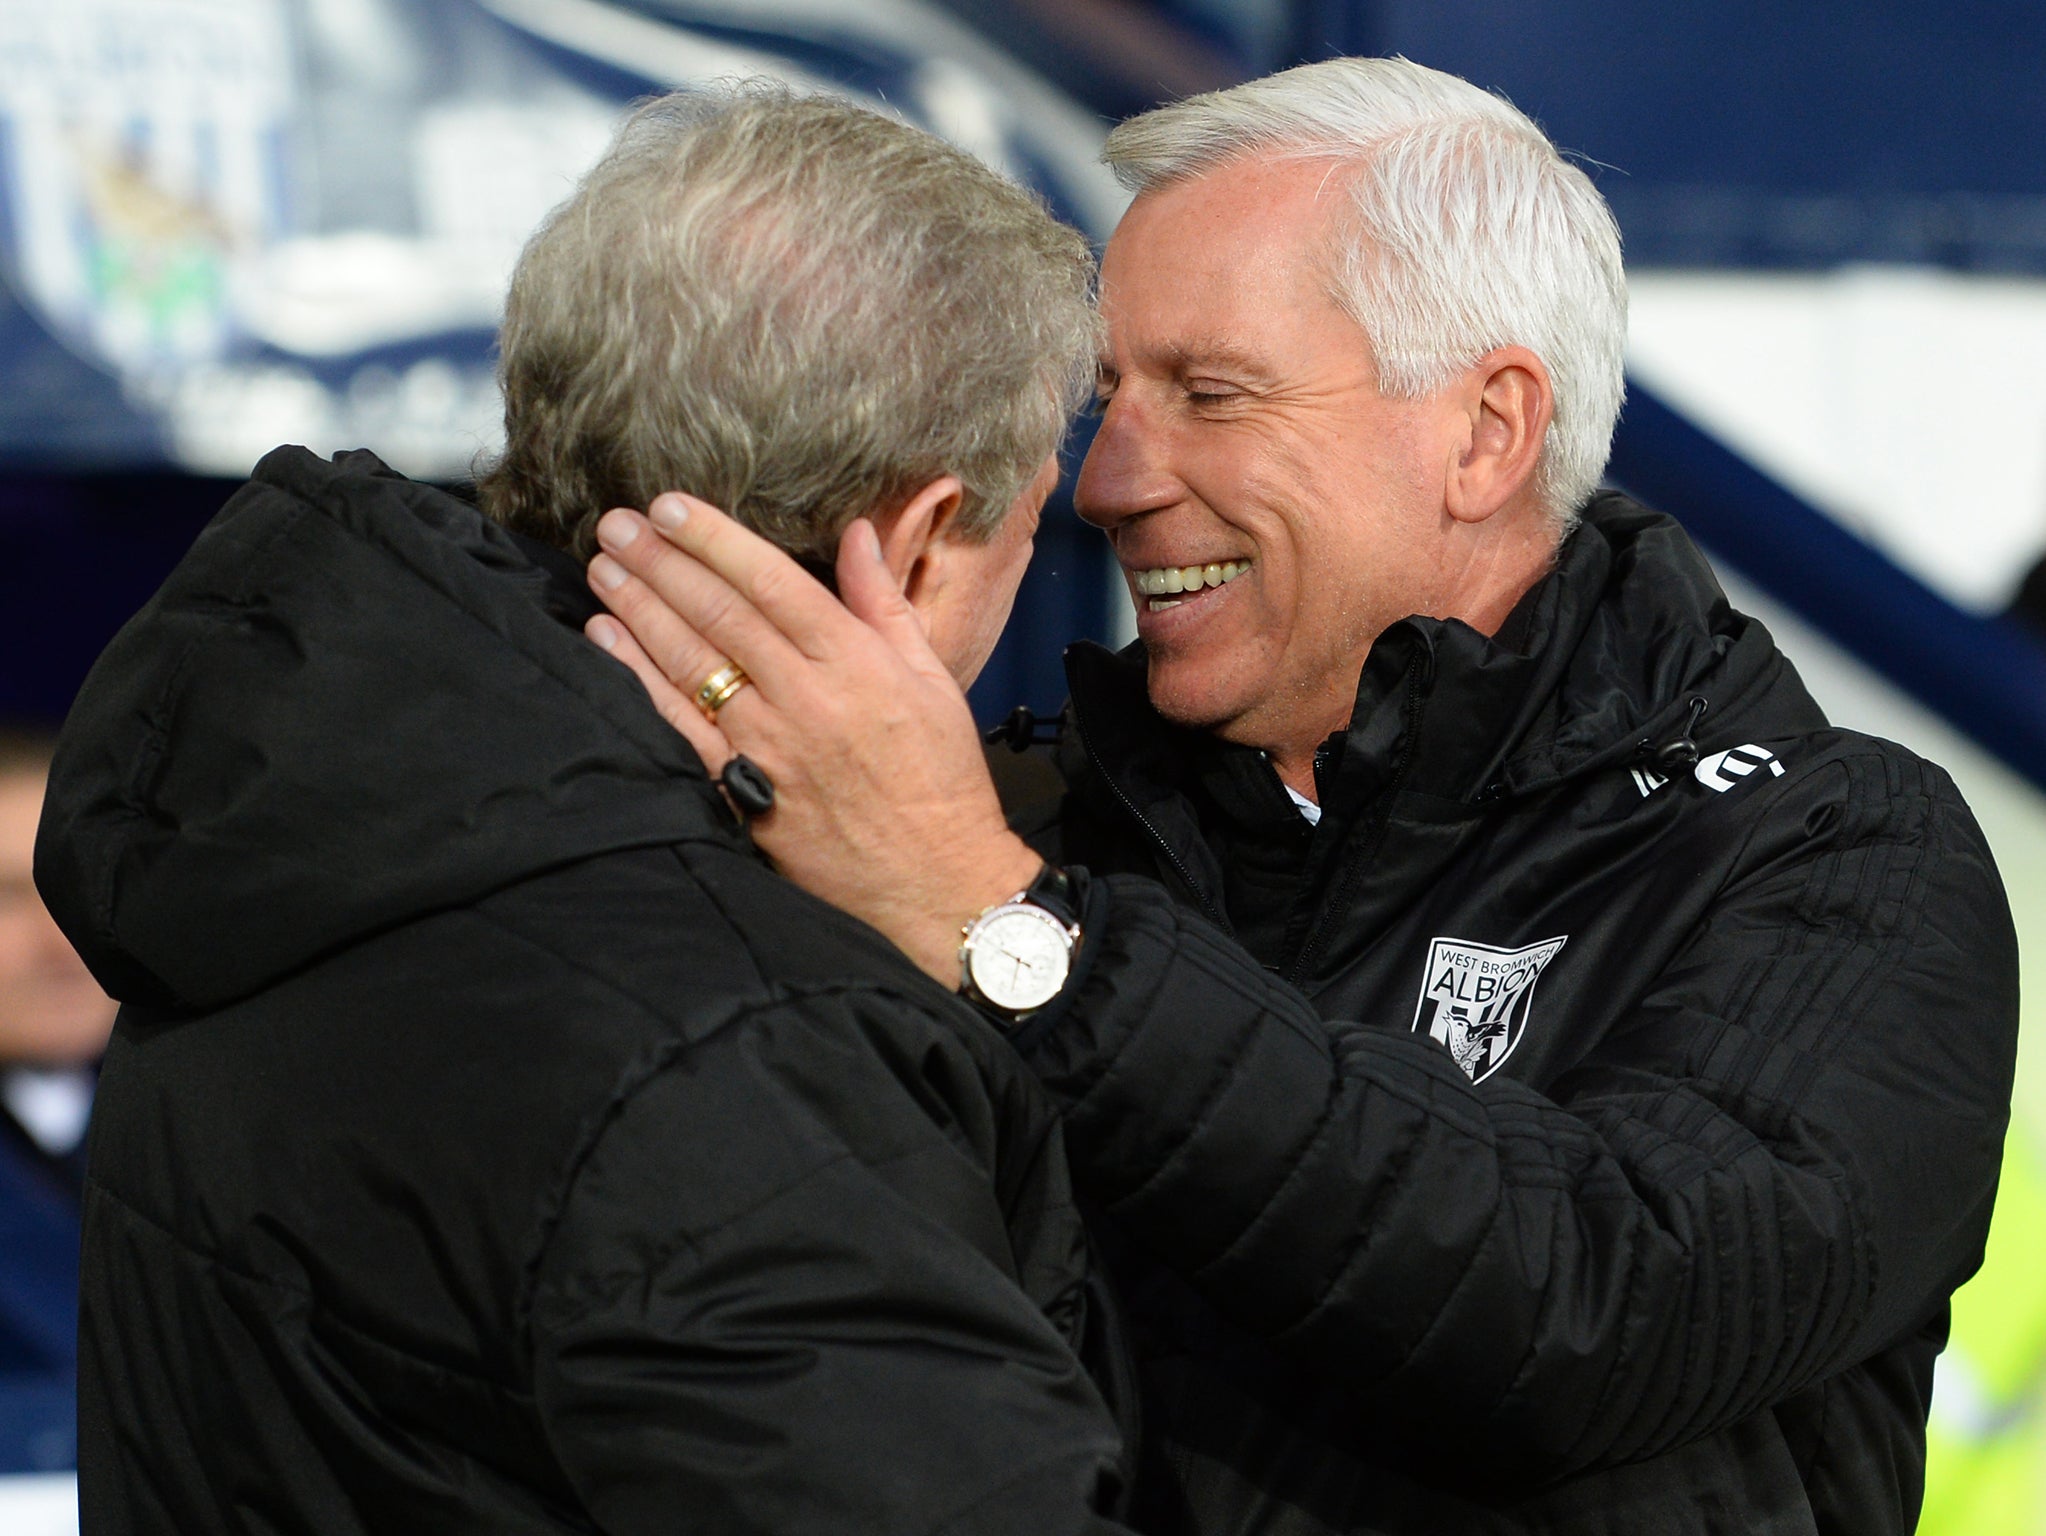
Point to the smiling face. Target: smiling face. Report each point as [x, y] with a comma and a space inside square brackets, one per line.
[1242, 425]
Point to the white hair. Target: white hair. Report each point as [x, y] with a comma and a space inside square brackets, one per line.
[1468, 232]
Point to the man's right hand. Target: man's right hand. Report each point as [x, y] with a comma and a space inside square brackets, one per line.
[883, 805]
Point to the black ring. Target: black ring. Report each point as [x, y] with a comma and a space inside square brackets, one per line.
[752, 791]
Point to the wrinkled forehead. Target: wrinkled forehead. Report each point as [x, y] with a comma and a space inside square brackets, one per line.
[1226, 263]
[1245, 201]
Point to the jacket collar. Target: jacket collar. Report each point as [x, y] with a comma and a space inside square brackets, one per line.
[1601, 657]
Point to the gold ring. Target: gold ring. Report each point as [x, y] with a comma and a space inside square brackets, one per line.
[716, 691]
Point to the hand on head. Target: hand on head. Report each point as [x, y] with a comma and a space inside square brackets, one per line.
[883, 803]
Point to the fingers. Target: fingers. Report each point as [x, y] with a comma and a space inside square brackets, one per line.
[688, 619]
[870, 592]
[789, 597]
[675, 707]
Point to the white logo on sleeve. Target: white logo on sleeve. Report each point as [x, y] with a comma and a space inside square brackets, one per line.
[1647, 780]
[1476, 998]
[1722, 770]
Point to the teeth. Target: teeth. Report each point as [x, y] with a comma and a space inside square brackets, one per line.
[1187, 578]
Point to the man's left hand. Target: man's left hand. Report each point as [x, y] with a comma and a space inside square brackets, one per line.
[883, 805]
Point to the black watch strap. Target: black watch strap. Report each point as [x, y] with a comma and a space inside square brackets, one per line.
[1053, 891]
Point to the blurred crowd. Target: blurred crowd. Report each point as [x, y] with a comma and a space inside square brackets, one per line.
[54, 1022]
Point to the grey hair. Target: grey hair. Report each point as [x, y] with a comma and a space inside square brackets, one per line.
[1467, 232]
[798, 310]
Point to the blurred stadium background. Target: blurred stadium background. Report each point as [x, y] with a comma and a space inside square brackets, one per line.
[226, 224]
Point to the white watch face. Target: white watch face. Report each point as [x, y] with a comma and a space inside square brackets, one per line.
[1019, 956]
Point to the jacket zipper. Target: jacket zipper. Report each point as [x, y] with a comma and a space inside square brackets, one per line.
[1158, 838]
[1353, 869]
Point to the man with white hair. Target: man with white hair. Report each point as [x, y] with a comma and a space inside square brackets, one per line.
[1538, 1076]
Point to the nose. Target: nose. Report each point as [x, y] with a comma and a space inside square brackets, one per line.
[1127, 470]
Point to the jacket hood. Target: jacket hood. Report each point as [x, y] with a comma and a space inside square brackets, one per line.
[349, 705]
[1600, 659]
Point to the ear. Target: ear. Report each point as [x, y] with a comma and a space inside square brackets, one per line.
[910, 534]
[1508, 402]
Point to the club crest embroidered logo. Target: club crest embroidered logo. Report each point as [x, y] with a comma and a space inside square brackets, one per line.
[1476, 998]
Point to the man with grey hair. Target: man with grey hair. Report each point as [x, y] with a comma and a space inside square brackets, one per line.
[491, 1141]
[1538, 1075]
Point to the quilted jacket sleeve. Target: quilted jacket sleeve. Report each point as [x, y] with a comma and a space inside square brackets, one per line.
[1779, 1161]
[781, 1298]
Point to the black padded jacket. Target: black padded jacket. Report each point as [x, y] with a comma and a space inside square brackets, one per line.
[490, 1141]
[1591, 1139]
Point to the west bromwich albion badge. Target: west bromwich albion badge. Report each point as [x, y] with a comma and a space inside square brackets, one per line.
[1476, 998]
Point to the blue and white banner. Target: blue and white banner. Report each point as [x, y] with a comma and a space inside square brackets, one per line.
[226, 224]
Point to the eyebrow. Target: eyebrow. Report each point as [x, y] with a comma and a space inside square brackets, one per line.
[1199, 352]
[1215, 349]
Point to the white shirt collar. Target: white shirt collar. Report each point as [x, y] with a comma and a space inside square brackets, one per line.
[1306, 806]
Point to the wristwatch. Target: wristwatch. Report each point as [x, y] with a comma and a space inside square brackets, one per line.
[1015, 956]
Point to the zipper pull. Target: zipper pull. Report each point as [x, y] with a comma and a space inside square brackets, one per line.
[1680, 754]
[1022, 730]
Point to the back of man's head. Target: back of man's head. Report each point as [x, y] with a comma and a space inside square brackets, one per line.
[794, 308]
[1466, 231]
